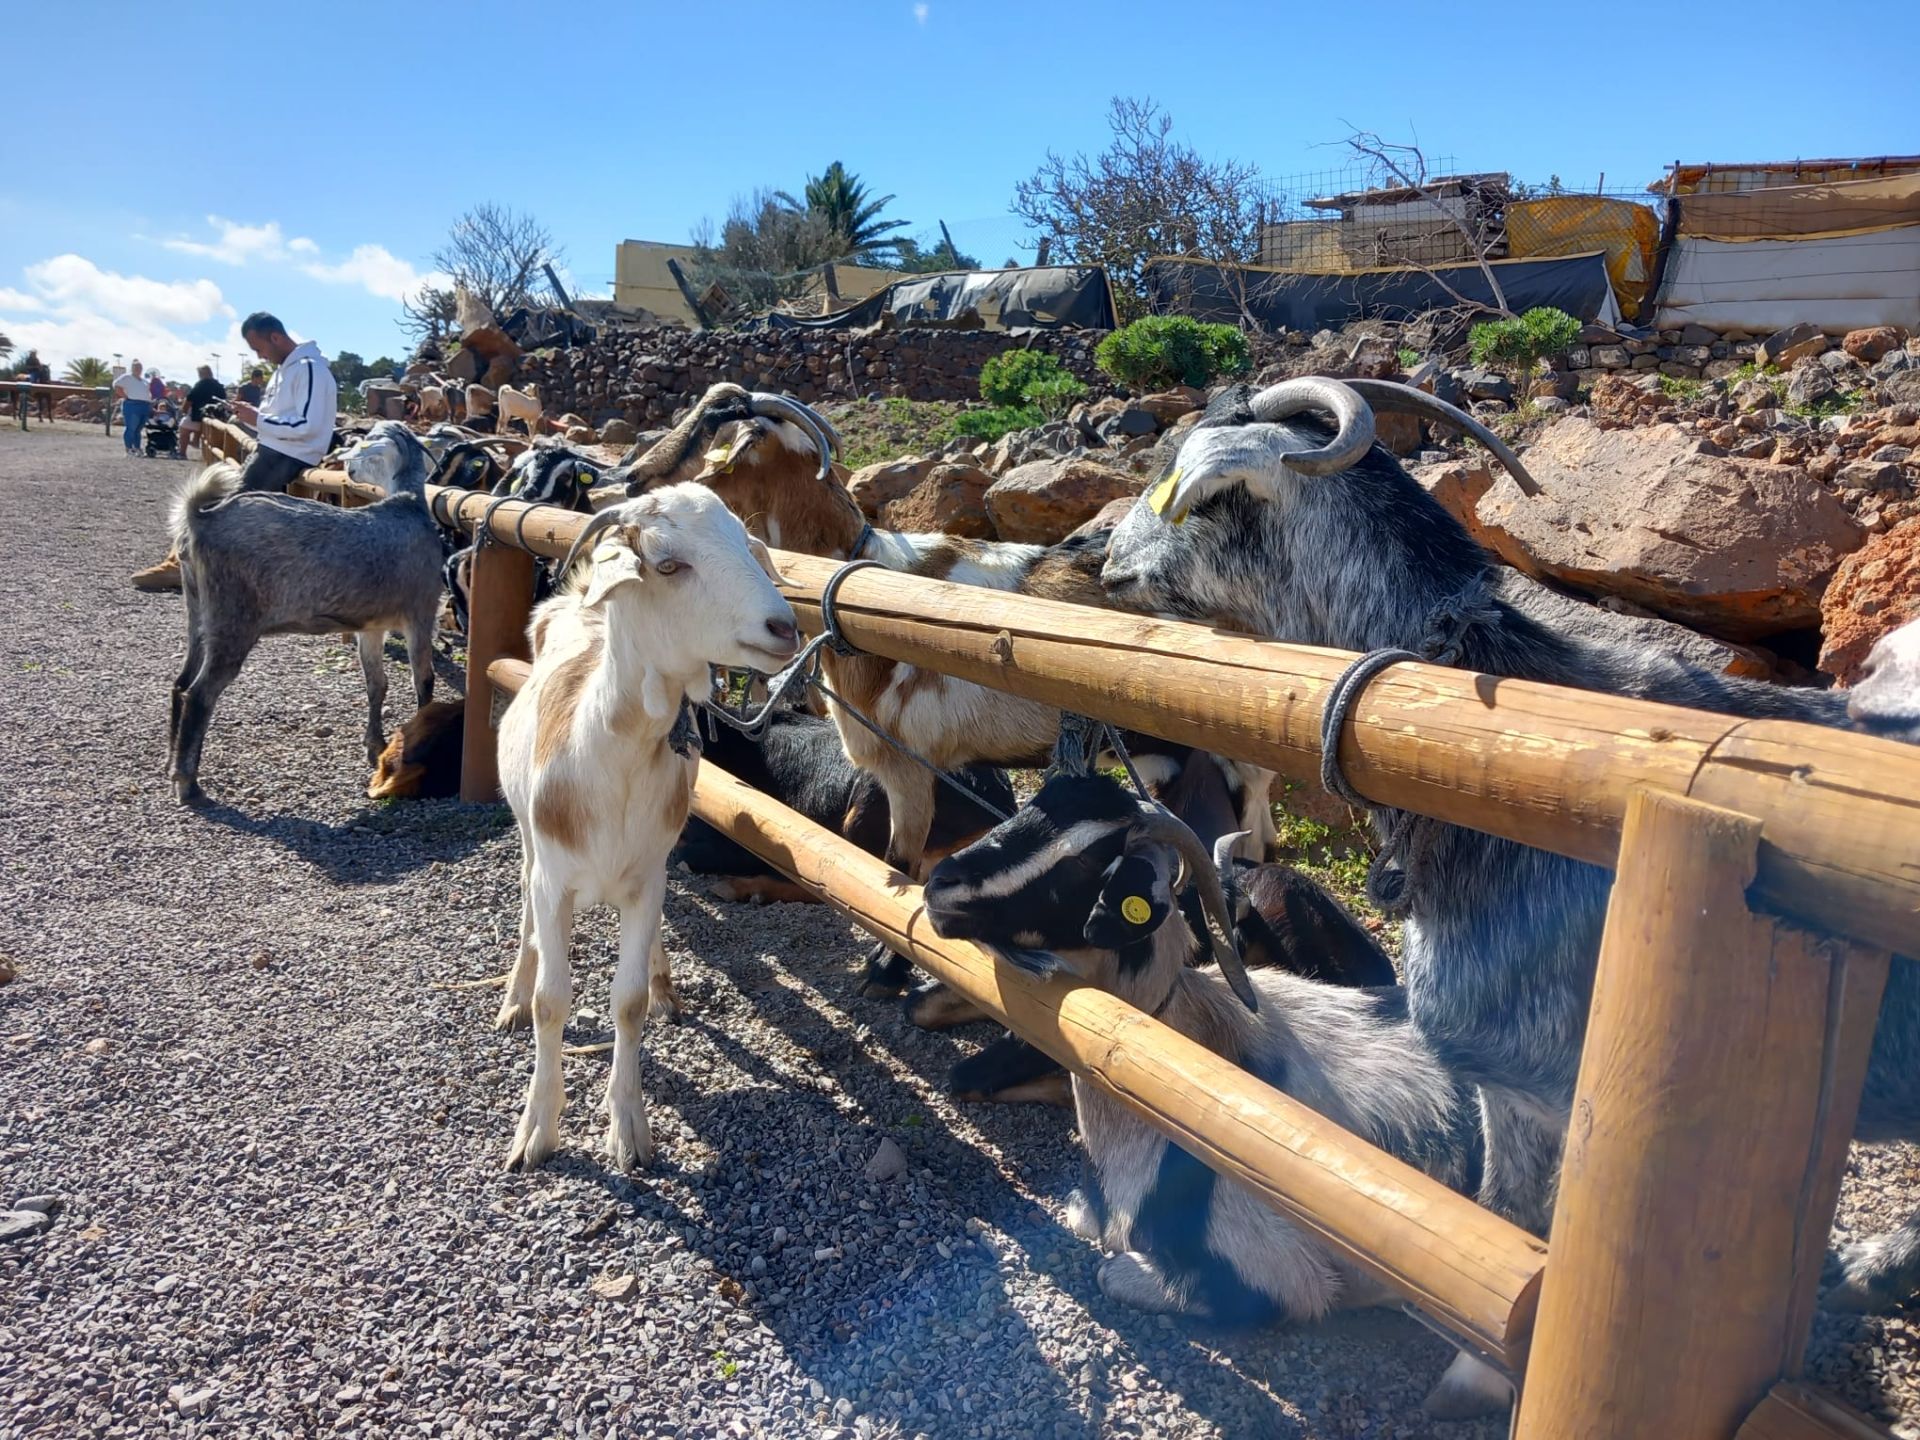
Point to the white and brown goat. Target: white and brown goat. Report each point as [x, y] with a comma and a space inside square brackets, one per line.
[599, 786]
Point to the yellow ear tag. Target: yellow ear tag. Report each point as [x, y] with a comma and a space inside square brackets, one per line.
[1136, 909]
[1161, 496]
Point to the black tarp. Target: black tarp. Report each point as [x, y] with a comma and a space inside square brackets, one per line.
[1043, 297]
[1291, 300]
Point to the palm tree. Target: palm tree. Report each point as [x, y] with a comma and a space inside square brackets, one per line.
[841, 200]
[6, 348]
[88, 370]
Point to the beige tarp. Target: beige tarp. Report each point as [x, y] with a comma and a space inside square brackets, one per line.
[1628, 234]
[1840, 282]
[1787, 212]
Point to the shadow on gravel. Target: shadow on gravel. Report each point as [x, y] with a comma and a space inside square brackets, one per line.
[380, 843]
[850, 1343]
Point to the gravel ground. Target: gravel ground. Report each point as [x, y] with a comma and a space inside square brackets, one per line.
[277, 1132]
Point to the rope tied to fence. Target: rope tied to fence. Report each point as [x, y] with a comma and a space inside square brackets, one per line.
[1397, 867]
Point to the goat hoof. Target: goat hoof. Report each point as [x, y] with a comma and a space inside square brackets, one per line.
[664, 1001]
[514, 1015]
[888, 975]
[935, 1006]
[1470, 1389]
[629, 1145]
[532, 1145]
[1080, 1217]
[188, 792]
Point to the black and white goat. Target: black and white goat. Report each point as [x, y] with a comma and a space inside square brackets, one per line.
[1274, 525]
[255, 564]
[1088, 879]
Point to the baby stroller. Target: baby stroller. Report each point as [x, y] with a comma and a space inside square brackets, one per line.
[162, 436]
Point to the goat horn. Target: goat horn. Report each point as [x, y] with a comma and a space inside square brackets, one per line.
[1353, 437]
[637, 468]
[1160, 823]
[779, 407]
[583, 542]
[1393, 395]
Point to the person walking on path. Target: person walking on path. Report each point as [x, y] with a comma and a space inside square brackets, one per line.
[136, 404]
[293, 422]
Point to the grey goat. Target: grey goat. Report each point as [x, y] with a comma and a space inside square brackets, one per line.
[253, 565]
[1087, 878]
[1251, 529]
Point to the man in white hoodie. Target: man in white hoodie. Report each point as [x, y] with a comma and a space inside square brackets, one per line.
[293, 422]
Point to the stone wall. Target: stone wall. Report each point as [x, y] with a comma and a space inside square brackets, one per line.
[643, 376]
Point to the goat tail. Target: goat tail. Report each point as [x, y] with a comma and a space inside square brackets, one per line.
[206, 492]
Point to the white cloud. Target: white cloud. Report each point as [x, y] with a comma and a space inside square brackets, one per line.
[72, 307]
[238, 244]
[376, 269]
[72, 282]
[921, 11]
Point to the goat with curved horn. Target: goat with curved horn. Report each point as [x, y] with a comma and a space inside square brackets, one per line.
[1353, 435]
[1393, 395]
[809, 421]
[1160, 823]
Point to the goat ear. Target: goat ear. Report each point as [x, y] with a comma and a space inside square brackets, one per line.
[723, 460]
[1136, 896]
[763, 557]
[616, 561]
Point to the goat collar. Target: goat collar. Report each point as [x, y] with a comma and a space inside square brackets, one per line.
[866, 534]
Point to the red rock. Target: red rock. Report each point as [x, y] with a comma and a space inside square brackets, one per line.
[874, 487]
[1111, 514]
[951, 499]
[1167, 406]
[1876, 589]
[1042, 501]
[1867, 346]
[1738, 548]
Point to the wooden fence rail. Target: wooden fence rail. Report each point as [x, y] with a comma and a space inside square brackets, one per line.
[1710, 1002]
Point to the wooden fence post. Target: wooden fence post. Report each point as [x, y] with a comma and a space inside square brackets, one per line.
[500, 598]
[1724, 1059]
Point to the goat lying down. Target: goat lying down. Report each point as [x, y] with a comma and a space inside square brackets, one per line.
[598, 779]
[1085, 878]
[799, 762]
[253, 565]
[1274, 525]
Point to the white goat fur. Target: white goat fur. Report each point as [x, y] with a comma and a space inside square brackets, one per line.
[597, 791]
[521, 405]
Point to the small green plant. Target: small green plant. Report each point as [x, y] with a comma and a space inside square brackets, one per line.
[1678, 388]
[989, 424]
[1054, 397]
[728, 1368]
[1005, 379]
[1157, 352]
[1407, 356]
[1518, 345]
[915, 1121]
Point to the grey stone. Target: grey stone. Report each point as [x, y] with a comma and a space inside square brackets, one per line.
[1809, 385]
[19, 1224]
[1486, 384]
[1611, 357]
[888, 1161]
[1552, 405]
[1869, 475]
[1886, 454]
[44, 1204]
[1697, 335]
[1784, 347]
[1837, 361]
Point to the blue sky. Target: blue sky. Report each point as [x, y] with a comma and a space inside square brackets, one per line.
[308, 157]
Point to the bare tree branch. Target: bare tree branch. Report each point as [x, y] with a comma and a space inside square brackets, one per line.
[1407, 164]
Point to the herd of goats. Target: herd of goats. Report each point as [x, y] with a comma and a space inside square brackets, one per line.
[1271, 522]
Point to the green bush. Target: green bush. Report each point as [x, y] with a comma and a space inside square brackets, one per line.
[1056, 396]
[1521, 343]
[1006, 378]
[990, 424]
[1157, 352]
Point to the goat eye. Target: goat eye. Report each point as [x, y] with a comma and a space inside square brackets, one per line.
[667, 567]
